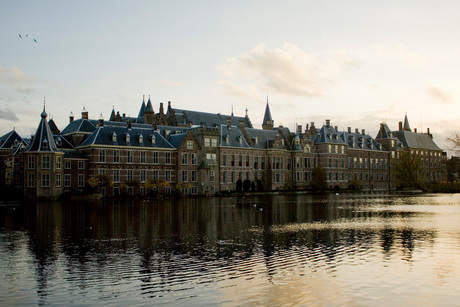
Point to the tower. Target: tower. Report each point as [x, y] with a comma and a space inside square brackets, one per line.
[268, 122]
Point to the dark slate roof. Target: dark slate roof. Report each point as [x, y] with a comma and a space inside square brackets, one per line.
[10, 140]
[185, 117]
[53, 127]
[43, 139]
[234, 136]
[360, 141]
[104, 136]
[141, 111]
[112, 115]
[267, 116]
[149, 107]
[416, 140]
[384, 132]
[265, 138]
[80, 126]
[328, 134]
[406, 126]
[176, 139]
[62, 143]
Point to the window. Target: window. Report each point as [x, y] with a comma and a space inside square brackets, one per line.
[207, 142]
[58, 180]
[130, 175]
[184, 159]
[116, 156]
[224, 175]
[81, 180]
[232, 160]
[31, 162]
[224, 160]
[102, 155]
[114, 137]
[156, 157]
[214, 142]
[45, 180]
[212, 177]
[168, 175]
[184, 176]
[168, 158]
[189, 145]
[142, 175]
[130, 156]
[101, 171]
[194, 159]
[67, 164]
[46, 162]
[194, 190]
[67, 180]
[58, 162]
[194, 176]
[30, 180]
[81, 164]
[128, 138]
[156, 174]
[116, 176]
[141, 139]
[240, 160]
[233, 177]
[142, 156]
[211, 158]
[256, 162]
[247, 161]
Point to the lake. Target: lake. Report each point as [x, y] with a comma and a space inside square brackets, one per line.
[282, 250]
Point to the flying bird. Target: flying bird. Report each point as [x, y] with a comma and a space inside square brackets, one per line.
[27, 35]
[20, 36]
[35, 40]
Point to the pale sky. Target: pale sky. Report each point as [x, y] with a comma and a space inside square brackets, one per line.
[357, 63]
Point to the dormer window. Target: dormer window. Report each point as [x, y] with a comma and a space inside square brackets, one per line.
[256, 140]
[153, 139]
[58, 141]
[45, 143]
[140, 138]
[306, 148]
[240, 139]
[114, 137]
[128, 138]
[282, 142]
[227, 139]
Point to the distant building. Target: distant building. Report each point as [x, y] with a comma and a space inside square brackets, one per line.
[203, 154]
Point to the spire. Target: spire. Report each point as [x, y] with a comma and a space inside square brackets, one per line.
[268, 122]
[232, 109]
[406, 126]
[148, 108]
[43, 140]
[142, 110]
[112, 115]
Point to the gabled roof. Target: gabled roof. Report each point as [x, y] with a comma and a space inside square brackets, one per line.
[80, 126]
[328, 134]
[176, 139]
[234, 136]
[43, 139]
[53, 127]
[185, 117]
[416, 140]
[384, 132]
[10, 140]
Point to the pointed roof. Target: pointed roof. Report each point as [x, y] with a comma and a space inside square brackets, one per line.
[10, 140]
[149, 107]
[406, 126]
[384, 132]
[268, 116]
[142, 110]
[53, 127]
[43, 139]
[112, 115]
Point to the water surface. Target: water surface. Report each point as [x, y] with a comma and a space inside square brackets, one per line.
[353, 250]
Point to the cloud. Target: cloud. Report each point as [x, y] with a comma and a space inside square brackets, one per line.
[288, 70]
[437, 94]
[8, 114]
[16, 79]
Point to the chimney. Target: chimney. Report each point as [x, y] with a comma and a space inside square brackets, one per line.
[328, 122]
[124, 114]
[128, 122]
[415, 130]
[400, 126]
[71, 119]
[229, 122]
[161, 108]
[281, 128]
[356, 130]
[299, 129]
[169, 105]
[363, 131]
[84, 113]
[336, 128]
[349, 129]
[101, 121]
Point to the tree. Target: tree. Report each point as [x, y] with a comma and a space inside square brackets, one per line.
[409, 172]
[454, 142]
[318, 179]
[99, 181]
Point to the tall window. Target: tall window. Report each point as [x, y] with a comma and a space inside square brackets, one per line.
[81, 180]
[184, 159]
[130, 175]
[130, 156]
[168, 158]
[156, 174]
[211, 158]
[156, 158]
[67, 164]
[214, 142]
[58, 162]
[194, 176]
[31, 162]
[67, 180]
[224, 179]
[58, 180]
[184, 176]
[207, 142]
[45, 180]
[81, 164]
[116, 176]
[142, 156]
[212, 177]
[194, 159]
[116, 156]
[102, 155]
[142, 175]
[46, 162]
[30, 180]
[224, 160]
[168, 175]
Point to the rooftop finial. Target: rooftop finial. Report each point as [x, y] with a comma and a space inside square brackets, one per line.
[246, 112]
[232, 109]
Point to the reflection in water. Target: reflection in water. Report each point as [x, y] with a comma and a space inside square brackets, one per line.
[273, 250]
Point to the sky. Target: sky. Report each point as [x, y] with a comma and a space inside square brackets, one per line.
[357, 63]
